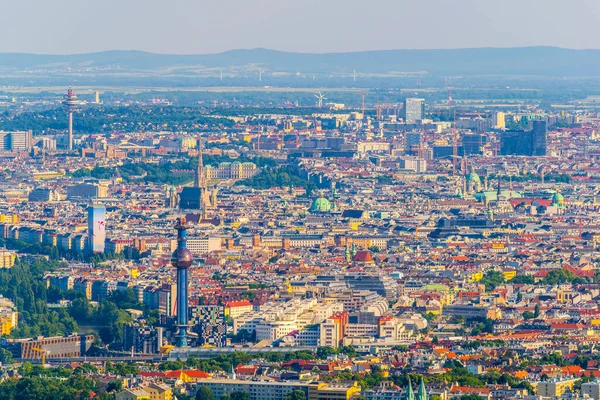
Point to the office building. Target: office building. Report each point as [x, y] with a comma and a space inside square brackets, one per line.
[539, 135]
[43, 195]
[56, 347]
[87, 191]
[591, 389]
[413, 164]
[414, 139]
[525, 143]
[499, 121]
[414, 110]
[380, 284]
[46, 143]
[96, 228]
[16, 141]
[555, 387]
[277, 390]
[201, 246]
[516, 143]
[333, 329]
[473, 144]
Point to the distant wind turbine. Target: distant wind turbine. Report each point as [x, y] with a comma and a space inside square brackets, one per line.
[320, 97]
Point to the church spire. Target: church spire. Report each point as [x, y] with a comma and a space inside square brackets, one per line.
[410, 394]
[422, 392]
[200, 178]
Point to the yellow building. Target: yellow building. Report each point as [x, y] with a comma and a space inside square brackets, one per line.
[554, 387]
[9, 317]
[499, 120]
[234, 309]
[476, 277]
[189, 143]
[325, 391]
[159, 391]
[7, 258]
[132, 394]
[11, 219]
[566, 296]
[7, 323]
[508, 275]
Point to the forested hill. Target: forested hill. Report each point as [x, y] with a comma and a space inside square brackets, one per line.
[542, 61]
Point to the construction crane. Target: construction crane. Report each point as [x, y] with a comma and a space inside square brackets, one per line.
[258, 138]
[43, 353]
[454, 144]
[363, 94]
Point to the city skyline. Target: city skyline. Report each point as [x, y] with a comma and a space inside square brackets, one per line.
[189, 28]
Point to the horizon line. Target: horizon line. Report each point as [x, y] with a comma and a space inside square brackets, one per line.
[295, 52]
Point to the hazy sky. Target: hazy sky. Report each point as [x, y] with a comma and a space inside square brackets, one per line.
[209, 26]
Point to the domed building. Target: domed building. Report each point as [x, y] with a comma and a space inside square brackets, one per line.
[320, 205]
[558, 200]
[473, 182]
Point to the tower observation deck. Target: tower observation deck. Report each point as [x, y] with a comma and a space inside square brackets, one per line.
[71, 103]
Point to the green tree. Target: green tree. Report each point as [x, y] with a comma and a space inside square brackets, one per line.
[528, 315]
[522, 279]
[559, 276]
[239, 395]
[5, 356]
[295, 395]
[325, 351]
[114, 386]
[492, 279]
[80, 309]
[205, 393]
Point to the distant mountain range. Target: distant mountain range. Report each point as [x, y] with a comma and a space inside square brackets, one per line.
[536, 61]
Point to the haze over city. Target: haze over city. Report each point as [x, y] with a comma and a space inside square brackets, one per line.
[193, 27]
[299, 200]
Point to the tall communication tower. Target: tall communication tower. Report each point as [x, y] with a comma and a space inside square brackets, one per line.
[70, 102]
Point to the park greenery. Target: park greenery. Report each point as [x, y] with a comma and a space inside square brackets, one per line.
[167, 172]
[116, 119]
[278, 177]
[23, 285]
[558, 276]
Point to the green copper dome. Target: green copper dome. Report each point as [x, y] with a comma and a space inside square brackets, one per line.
[320, 204]
[473, 177]
[558, 200]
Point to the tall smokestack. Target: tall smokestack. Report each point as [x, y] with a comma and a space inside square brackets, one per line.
[182, 260]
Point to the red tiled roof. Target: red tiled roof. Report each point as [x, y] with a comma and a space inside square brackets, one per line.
[195, 373]
[241, 303]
